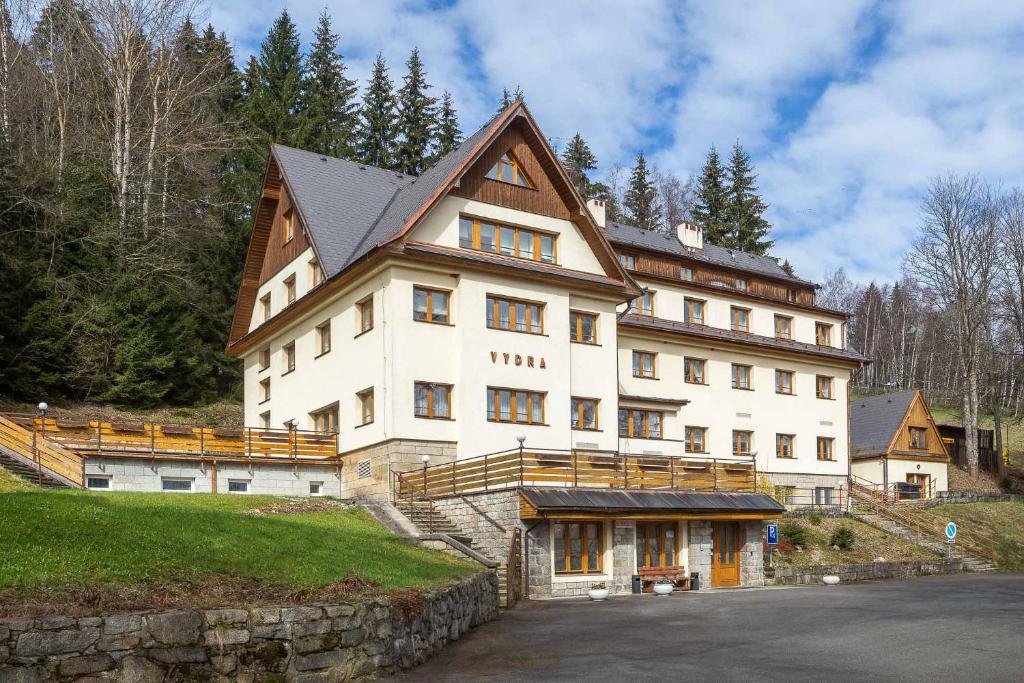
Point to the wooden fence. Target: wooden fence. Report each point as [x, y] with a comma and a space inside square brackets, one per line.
[32, 447]
[512, 469]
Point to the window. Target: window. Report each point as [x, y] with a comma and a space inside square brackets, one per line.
[584, 413]
[506, 240]
[823, 386]
[365, 311]
[740, 319]
[515, 316]
[656, 545]
[265, 307]
[432, 400]
[583, 327]
[783, 381]
[823, 495]
[323, 337]
[792, 295]
[686, 273]
[265, 419]
[514, 405]
[643, 305]
[693, 311]
[823, 334]
[97, 483]
[289, 290]
[918, 437]
[825, 451]
[696, 439]
[363, 469]
[741, 442]
[642, 424]
[740, 376]
[365, 398]
[316, 488]
[627, 261]
[289, 357]
[643, 364]
[578, 547]
[508, 170]
[178, 484]
[693, 369]
[430, 305]
[288, 223]
[784, 446]
[316, 276]
[741, 284]
[783, 327]
[238, 486]
[325, 420]
[264, 359]
[264, 390]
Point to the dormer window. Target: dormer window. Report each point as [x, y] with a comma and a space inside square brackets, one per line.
[509, 170]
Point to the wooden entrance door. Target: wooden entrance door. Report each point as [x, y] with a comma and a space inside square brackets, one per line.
[725, 556]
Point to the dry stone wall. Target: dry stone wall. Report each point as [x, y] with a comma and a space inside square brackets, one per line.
[791, 576]
[317, 642]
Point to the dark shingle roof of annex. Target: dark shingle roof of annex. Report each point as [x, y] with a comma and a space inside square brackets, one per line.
[874, 420]
[620, 233]
[349, 208]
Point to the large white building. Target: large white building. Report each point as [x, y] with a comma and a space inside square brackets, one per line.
[452, 313]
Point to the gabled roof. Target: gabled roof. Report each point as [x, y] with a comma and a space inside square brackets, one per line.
[629, 235]
[874, 421]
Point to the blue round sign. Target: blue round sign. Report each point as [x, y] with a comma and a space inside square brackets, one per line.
[951, 531]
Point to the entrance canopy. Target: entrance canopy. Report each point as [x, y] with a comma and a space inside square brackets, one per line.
[583, 503]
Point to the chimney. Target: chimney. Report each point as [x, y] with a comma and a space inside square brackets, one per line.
[596, 207]
[691, 235]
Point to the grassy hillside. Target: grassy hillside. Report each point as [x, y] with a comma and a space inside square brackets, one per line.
[1003, 522]
[10, 483]
[225, 413]
[81, 550]
[869, 543]
[1013, 433]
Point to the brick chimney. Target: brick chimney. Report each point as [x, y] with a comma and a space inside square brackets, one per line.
[596, 207]
[691, 235]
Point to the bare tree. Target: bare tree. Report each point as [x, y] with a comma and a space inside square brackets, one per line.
[954, 261]
[15, 21]
[676, 198]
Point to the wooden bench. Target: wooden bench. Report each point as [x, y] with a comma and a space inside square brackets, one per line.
[650, 575]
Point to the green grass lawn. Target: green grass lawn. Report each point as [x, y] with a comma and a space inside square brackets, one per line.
[143, 547]
[1004, 522]
[10, 483]
[869, 543]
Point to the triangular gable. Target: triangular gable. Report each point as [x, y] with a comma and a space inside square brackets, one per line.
[917, 415]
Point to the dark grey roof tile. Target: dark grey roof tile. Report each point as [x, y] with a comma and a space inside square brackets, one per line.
[874, 421]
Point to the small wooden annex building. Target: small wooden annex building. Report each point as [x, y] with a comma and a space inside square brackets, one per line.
[896, 447]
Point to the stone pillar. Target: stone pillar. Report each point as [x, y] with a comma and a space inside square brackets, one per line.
[623, 555]
[699, 545]
[751, 554]
[539, 561]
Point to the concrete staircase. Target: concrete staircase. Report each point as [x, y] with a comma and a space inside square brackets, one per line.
[939, 547]
[19, 468]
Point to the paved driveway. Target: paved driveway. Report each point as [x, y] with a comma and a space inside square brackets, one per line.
[957, 628]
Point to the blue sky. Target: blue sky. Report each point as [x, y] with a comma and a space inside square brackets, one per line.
[847, 107]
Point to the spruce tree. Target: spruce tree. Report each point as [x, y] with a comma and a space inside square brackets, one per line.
[377, 118]
[328, 107]
[641, 199]
[276, 85]
[449, 135]
[788, 267]
[578, 160]
[508, 98]
[709, 209]
[417, 118]
[745, 212]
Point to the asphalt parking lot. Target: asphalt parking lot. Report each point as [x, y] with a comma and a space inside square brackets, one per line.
[953, 628]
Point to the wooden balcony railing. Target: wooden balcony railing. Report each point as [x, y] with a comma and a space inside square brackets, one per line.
[97, 437]
[512, 469]
[31, 446]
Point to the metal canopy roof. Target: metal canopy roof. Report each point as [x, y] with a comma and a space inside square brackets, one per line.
[648, 501]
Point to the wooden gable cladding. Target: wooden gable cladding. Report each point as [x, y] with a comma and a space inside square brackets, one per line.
[279, 253]
[543, 199]
[920, 417]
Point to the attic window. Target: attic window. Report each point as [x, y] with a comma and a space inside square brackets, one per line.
[289, 226]
[509, 170]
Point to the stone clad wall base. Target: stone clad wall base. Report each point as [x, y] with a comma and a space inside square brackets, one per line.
[397, 455]
[790, 576]
[304, 642]
[470, 514]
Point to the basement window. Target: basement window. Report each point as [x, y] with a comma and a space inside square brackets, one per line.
[238, 486]
[316, 488]
[176, 484]
[97, 483]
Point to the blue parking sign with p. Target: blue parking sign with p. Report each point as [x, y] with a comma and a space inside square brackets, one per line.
[773, 534]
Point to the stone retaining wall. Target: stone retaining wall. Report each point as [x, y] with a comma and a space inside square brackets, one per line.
[943, 497]
[316, 642]
[791, 576]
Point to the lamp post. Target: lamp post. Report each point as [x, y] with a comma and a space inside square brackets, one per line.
[43, 407]
[426, 461]
[521, 439]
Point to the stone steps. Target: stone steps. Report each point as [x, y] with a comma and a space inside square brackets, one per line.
[28, 473]
[894, 528]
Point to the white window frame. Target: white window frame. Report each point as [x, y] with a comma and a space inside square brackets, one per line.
[105, 477]
[320, 489]
[248, 486]
[191, 484]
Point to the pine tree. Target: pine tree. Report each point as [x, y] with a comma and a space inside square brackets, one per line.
[328, 107]
[745, 212]
[709, 209]
[641, 199]
[578, 160]
[276, 85]
[417, 118]
[449, 136]
[377, 118]
[508, 98]
[788, 267]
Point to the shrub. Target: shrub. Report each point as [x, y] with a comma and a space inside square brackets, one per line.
[814, 518]
[842, 538]
[794, 532]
